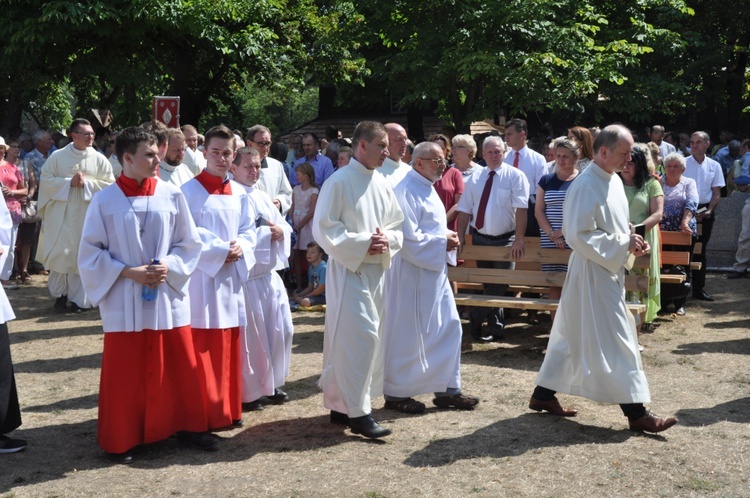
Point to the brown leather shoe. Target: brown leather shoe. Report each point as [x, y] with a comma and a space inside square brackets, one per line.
[552, 406]
[652, 423]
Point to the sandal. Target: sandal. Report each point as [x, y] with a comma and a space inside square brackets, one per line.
[460, 401]
[25, 277]
[408, 405]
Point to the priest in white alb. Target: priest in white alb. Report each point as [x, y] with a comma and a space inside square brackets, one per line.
[70, 178]
[422, 334]
[593, 346]
[225, 220]
[393, 168]
[358, 223]
[138, 249]
[267, 336]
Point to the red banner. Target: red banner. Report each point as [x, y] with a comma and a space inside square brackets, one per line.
[167, 110]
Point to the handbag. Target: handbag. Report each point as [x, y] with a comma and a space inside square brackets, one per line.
[29, 212]
[671, 292]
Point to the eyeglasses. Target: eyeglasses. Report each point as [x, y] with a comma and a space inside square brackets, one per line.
[437, 160]
[85, 133]
[262, 144]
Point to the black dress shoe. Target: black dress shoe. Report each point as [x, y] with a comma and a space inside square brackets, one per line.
[237, 423]
[702, 296]
[737, 274]
[61, 303]
[279, 397]
[122, 458]
[77, 309]
[367, 426]
[339, 418]
[478, 334]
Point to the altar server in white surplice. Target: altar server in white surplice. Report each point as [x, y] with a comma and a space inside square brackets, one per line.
[222, 212]
[138, 236]
[422, 334]
[593, 347]
[358, 223]
[267, 336]
[70, 178]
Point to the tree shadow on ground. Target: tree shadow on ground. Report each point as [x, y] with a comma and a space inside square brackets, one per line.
[514, 437]
[307, 343]
[737, 410]
[522, 348]
[306, 387]
[58, 452]
[92, 361]
[55, 333]
[735, 346]
[81, 403]
[309, 318]
[728, 325]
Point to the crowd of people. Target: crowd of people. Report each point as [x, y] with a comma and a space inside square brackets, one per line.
[185, 243]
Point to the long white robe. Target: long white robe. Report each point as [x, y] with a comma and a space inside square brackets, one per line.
[394, 171]
[176, 175]
[593, 346]
[422, 334]
[276, 184]
[267, 336]
[111, 241]
[194, 160]
[216, 297]
[352, 204]
[63, 208]
[6, 225]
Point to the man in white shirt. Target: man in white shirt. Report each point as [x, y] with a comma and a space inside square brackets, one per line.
[194, 158]
[657, 136]
[709, 179]
[530, 162]
[272, 176]
[394, 169]
[495, 202]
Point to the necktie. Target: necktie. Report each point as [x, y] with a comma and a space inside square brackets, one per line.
[483, 201]
[264, 163]
[515, 160]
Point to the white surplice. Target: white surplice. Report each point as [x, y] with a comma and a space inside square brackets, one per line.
[352, 204]
[593, 346]
[111, 241]
[267, 336]
[6, 225]
[422, 334]
[216, 296]
[275, 183]
[176, 175]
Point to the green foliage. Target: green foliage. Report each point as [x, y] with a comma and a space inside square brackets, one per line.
[117, 54]
[477, 56]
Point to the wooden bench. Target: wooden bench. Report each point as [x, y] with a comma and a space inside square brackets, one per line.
[527, 277]
[681, 258]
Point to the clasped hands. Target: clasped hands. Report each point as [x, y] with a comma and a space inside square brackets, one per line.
[149, 275]
[378, 243]
[77, 180]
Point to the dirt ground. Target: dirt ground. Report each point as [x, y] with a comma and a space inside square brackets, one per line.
[697, 368]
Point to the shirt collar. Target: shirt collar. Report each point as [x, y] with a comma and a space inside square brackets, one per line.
[131, 188]
[214, 184]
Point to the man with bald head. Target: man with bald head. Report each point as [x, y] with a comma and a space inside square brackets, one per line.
[422, 321]
[394, 169]
[593, 347]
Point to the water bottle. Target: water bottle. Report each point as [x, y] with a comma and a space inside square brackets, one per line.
[147, 293]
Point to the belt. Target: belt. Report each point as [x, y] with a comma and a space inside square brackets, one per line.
[506, 235]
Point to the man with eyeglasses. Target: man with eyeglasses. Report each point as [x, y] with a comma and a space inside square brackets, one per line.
[494, 204]
[422, 321]
[272, 176]
[70, 178]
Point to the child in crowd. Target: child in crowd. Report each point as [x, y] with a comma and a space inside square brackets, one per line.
[304, 197]
[315, 292]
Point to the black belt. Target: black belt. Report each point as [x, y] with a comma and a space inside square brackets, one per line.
[506, 235]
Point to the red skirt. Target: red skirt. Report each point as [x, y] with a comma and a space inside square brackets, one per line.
[150, 388]
[218, 355]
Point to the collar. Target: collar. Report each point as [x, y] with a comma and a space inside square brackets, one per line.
[214, 184]
[131, 188]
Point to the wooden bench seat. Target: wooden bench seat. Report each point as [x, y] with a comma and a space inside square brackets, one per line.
[527, 277]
